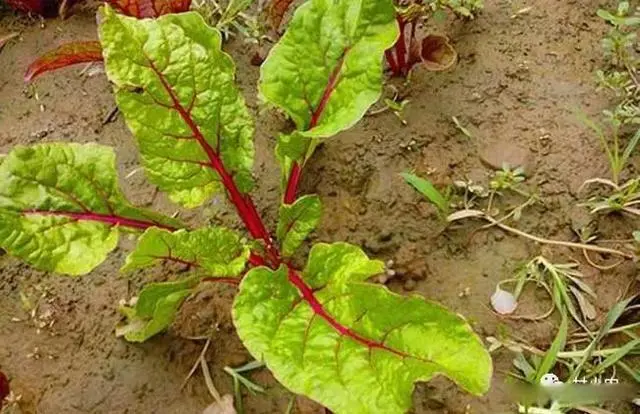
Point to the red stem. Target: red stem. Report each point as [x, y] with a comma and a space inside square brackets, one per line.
[5, 390]
[243, 203]
[103, 218]
[309, 297]
[296, 170]
[391, 60]
[256, 260]
[401, 46]
[292, 184]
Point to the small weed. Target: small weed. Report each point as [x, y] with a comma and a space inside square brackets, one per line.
[623, 198]
[619, 75]
[230, 17]
[470, 207]
[508, 179]
[439, 199]
[239, 380]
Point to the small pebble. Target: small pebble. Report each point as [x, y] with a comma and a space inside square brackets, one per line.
[409, 285]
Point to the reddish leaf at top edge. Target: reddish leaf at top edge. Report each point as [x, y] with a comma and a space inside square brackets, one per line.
[66, 55]
[46, 8]
[276, 12]
[150, 8]
[4, 387]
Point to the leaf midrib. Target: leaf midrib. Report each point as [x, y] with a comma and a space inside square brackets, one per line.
[308, 295]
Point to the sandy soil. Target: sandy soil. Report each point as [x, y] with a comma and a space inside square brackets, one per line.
[514, 89]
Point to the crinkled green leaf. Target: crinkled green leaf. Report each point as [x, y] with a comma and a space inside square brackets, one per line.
[176, 89]
[293, 146]
[154, 309]
[326, 71]
[290, 148]
[353, 346]
[334, 48]
[297, 221]
[61, 207]
[216, 250]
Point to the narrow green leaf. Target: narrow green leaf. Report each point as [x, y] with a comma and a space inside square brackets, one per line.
[428, 190]
[61, 208]
[176, 89]
[616, 311]
[631, 146]
[326, 71]
[616, 356]
[525, 367]
[352, 346]
[215, 250]
[557, 345]
[154, 309]
[297, 221]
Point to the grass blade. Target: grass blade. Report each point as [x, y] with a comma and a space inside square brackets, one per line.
[615, 357]
[631, 146]
[616, 311]
[427, 189]
[551, 356]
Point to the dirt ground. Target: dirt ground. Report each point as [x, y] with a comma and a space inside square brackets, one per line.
[515, 88]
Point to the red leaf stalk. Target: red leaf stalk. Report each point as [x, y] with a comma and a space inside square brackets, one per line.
[243, 203]
[103, 218]
[4, 388]
[296, 170]
[292, 184]
[401, 46]
[391, 60]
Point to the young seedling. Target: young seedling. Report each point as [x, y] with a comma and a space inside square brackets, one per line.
[323, 331]
[617, 156]
[441, 200]
[624, 198]
[231, 16]
[620, 75]
[239, 380]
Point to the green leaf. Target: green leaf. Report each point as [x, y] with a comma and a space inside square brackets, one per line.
[176, 89]
[352, 346]
[612, 359]
[551, 356]
[297, 221]
[215, 250]
[290, 148]
[428, 190]
[630, 148]
[155, 309]
[326, 71]
[61, 208]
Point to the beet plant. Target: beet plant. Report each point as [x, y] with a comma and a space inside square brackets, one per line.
[323, 330]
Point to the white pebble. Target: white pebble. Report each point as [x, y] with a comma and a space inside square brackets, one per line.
[503, 302]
